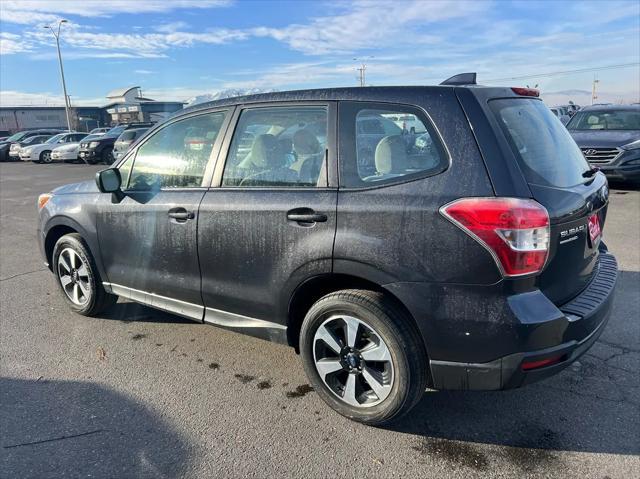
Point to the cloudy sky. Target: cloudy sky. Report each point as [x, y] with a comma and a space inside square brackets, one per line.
[177, 49]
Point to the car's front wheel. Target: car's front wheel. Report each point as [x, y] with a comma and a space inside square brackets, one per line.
[45, 157]
[78, 277]
[363, 356]
[107, 156]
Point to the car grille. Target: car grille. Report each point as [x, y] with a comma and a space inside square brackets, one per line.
[600, 156]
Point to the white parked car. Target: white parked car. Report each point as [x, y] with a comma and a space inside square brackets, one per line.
[69, 151]
[42, 153]
[99, 131]
[408, 123]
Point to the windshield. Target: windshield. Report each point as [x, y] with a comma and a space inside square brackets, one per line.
[544, 148]
[16, 136]
[116, 130]
[54, 139]
[128, 136]
[606, 120]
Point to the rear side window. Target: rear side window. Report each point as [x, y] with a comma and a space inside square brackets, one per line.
[543, 147]
[387, 143]
[280, 146]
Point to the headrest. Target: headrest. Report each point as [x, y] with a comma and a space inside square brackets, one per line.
[305, 142]
[263, 150]
[391, 155]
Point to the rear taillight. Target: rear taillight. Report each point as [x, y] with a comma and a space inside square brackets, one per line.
[525, 91]
[514, 230]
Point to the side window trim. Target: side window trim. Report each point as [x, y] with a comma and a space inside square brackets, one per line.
[331, 156]
[347, 113]
[213, 157]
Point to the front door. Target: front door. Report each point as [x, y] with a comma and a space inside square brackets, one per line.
[149, 239]
[269, 222]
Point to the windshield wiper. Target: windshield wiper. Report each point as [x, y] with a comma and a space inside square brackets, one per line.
[591, 172]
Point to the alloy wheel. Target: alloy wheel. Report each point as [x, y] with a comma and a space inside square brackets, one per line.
[73, 274]
[46, 157]
[353, 361]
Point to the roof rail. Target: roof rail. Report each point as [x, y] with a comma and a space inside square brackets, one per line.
[461, 79]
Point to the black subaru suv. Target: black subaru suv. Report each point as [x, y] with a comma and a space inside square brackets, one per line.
[100, 148]
[468, 255]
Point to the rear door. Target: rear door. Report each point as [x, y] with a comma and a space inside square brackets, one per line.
[560, 179]
[268, 223]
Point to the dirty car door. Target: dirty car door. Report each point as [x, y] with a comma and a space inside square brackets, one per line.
[148, 240]
[269, 223]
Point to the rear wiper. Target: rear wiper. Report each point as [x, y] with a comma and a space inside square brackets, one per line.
[591, 172]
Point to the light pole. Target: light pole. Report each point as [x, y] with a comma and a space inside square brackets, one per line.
[361, 71]
[64, 85]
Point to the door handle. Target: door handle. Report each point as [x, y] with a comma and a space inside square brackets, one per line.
[305, 215]
[181, 214]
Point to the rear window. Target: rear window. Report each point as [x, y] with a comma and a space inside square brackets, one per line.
[128, 135]
[542, 146]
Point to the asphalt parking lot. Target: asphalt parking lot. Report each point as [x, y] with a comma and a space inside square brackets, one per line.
[140, 393]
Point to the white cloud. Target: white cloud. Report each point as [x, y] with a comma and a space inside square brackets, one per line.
[14, 98]
[143, 72]
[131, 45]
[172, 27]
[11, 43]
[367, 24]
[39, 11]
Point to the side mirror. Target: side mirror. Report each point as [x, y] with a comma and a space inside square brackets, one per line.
[109, 181]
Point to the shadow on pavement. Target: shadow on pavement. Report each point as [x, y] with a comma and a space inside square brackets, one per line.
[592, 406]
[129, 311]
[81, 429]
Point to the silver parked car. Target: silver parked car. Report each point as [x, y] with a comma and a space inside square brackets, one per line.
[125, 140]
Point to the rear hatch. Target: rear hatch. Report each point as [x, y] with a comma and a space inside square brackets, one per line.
[561, 180]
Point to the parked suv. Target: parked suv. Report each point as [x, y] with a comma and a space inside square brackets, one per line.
[125, 140]
[474, 260]
[101, 149]
[609, 137]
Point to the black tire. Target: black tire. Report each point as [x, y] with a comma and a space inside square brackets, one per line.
[45, 157]
[97, 299]
[107, 156]
[395, 328]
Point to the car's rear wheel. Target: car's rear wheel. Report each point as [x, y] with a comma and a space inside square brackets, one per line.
[363, 356]
[45, 157]
[78, 276]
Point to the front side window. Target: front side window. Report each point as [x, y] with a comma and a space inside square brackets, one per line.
[280, 146]
[177, 155]
[389, 143]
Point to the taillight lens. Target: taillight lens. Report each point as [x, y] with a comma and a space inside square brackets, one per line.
[43, 199]
[514, 230]
[526, 91]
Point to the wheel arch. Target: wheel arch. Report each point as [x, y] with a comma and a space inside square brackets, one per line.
[57, 227]
[312, 289]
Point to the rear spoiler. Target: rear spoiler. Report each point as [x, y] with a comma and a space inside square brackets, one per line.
[461, 79]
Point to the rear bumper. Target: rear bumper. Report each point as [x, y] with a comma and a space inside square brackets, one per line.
[478, 336]
[586, 315]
